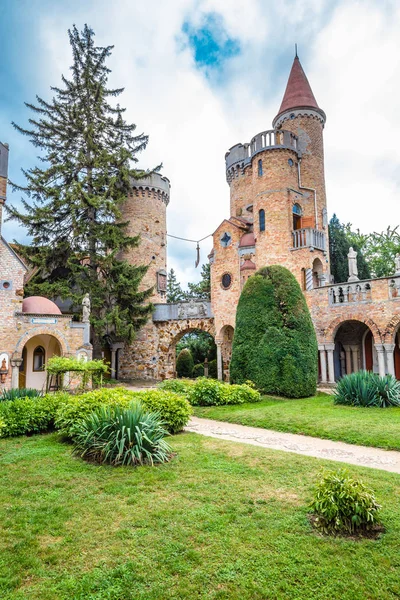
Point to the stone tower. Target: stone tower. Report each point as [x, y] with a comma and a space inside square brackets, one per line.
[277, 203]
[146, 212]
[3, 177]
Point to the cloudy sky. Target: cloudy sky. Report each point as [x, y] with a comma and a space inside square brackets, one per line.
[203, 75]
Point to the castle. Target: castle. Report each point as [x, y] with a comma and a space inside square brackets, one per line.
[278, 215]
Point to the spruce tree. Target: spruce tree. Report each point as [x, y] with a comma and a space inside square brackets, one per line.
[73, 198]
[174, 290]
[202, 289]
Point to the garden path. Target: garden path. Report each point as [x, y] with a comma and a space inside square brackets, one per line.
[363, 456]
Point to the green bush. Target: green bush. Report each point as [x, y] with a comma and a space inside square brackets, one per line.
[180, 386]
[211, 392]
[122, 436]
[29, 415]
[173, 408]
[212, 369]
[198, 371]
[19, 393]
[184, 363]
[365, 388]
[274, 344]
[343, 504]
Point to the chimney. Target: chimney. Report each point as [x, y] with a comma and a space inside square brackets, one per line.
[3, 177]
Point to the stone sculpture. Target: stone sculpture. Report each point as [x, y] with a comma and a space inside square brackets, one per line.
[86, 308]
[353, 271]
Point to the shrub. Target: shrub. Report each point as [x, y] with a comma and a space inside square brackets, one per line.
[365, 388]
[198, 371]
[19, 393]
[184, 363]
[173, 408]
[211, 392]
[29, 415]
[180, 386]
[212, 369]
[343, 504]
[274, 344]
[122, 436]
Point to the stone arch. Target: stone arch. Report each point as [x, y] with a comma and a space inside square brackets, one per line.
[331, 330]
[224, 341]
[317, 272]
[392, 329]
[169, 335]
[65, 348]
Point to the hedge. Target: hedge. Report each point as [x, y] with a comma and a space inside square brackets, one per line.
[184, 363]
[274, 344]
[29, 415]
[211, 392]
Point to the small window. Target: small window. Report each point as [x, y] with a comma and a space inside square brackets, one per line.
[290, 162]
[260, 169]
[226, 280]
[261, 219]
[292, 116]
[38, 358]
[297, 212]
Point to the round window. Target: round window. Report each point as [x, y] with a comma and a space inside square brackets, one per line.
[226, 280]
[6, 285]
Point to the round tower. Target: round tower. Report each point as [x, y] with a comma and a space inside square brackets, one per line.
[145, 210]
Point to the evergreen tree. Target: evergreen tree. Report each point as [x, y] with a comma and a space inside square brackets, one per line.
[73, 206]
[202, 289]
[174, 290]
[184, 363]
[275, 345]
[340, 240]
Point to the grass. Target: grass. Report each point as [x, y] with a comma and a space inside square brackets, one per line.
[222, 521]
[317, 416]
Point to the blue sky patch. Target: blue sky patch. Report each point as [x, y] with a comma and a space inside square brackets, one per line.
[210, 42]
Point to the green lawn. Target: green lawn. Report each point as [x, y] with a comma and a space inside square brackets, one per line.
[317, 416]
[222, 521]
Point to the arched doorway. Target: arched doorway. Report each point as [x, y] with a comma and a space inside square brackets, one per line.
[202, 347]
[317, 272]
[354, 349]
[35, 354]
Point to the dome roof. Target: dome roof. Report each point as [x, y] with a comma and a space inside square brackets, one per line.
[248, 265]
[247, 239]
[38, 305]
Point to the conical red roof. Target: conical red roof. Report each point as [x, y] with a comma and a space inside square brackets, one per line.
[298, 93]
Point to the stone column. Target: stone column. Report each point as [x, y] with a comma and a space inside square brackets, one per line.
[389, 349]
[15, 365]
[219, 359]
[112, 366]
[322, 360]
[354, 352]
[331, 366]
[347, 350]
[381, 359]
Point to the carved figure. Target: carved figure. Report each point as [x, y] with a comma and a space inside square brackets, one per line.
[86, 308]
[192, 309]
[202, 310]
[353, 271]
[181, 311]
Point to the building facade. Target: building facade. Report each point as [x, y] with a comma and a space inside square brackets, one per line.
[278, 215]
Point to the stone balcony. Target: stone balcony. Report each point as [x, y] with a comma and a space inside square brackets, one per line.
[359, 292]
[241, 155]
[309, 238]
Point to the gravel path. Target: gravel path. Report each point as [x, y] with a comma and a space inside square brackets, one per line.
[386, 460]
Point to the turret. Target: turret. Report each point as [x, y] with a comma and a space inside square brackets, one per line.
[145, 210]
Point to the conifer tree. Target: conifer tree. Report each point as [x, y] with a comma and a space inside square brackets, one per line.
[202, 289]
[73, 198]
[174, 290]
[340, 241]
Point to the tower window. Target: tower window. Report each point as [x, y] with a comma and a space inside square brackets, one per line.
[290, 162]
[261, 219]
[292, 116]
[38, 358]
[260, 169]
[226, 280]
[297, 212]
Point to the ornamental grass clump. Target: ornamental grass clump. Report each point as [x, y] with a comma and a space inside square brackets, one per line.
[122, 436]
[367, 389]
[16, 394]
[344, 505]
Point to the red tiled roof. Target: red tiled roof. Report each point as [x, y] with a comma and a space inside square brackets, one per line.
[38, 305]
[247, 240]
[248, 265]
[298, 93]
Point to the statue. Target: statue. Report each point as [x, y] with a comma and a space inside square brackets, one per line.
[181, 311]
[397, 262]
[86, 309]
[353, 271]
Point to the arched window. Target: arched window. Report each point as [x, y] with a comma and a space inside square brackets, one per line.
[261, 219]
[260, 170]
[297, 212]
[39, 356]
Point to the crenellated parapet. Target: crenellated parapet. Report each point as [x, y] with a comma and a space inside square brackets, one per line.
[157, 184]
[241, 155]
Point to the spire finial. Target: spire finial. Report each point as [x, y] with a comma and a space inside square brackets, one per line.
[295, 48]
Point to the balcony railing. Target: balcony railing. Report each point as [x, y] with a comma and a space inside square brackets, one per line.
[350, 293]
[394, 288]
[309, 238]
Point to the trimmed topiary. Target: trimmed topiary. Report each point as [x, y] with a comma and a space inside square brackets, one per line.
[275, 345]
[198, 370]
[184, 363]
